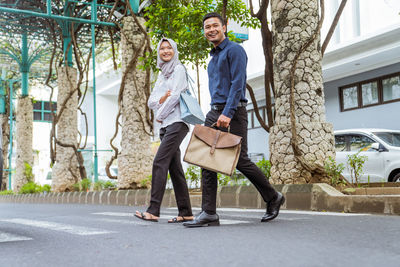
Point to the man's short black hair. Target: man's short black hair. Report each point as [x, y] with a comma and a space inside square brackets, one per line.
[213, 15]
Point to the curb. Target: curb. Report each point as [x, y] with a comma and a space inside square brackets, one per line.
[313, 197]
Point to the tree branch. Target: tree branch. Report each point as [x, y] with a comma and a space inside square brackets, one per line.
[333, 26]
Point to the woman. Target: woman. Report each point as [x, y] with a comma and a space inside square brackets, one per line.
[164, 100]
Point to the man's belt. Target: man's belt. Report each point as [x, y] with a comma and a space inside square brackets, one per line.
[222, 106]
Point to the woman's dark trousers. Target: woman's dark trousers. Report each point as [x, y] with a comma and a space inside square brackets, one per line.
[168, 158]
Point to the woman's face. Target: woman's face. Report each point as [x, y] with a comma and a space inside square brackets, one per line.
[166, 51]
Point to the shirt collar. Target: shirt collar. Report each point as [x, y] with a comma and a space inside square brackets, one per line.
[220, 46]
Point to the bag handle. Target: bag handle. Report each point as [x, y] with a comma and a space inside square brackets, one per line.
[214, 125]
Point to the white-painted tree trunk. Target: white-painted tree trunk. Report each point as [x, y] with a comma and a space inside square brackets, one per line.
[65, 171]
[293, 24]
[23, 137]
[135, 158]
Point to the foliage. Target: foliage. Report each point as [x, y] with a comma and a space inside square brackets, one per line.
[46, 188]
[193, 175]
[6, 192]
[28, 172]
[83, 185]
[109, 184]
[182, 22]
[146, 182]
[223, 179]
[100, 185]
[32, 188]
[355, 164]
[265, 167]
[334, 171]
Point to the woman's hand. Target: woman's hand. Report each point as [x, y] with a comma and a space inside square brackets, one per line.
[164, 97]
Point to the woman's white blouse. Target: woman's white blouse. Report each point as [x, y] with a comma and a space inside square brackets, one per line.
[169, 111]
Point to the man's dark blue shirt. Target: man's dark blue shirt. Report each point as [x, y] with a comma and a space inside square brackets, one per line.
[227, 76]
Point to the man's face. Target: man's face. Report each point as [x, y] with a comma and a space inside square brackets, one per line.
[214, 31]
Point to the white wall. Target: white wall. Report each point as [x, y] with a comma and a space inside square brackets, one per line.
[382, 116]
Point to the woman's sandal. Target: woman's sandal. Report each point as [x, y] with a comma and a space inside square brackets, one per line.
[175, 219]
[143, 217]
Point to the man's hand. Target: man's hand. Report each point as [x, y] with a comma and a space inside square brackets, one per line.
[223, 121]
[164, 97]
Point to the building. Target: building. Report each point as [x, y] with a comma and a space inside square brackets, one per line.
[361, 70]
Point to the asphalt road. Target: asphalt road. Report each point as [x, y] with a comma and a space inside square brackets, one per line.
[88, 235]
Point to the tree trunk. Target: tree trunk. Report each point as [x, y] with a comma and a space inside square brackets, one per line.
[198, 82]
[5, 126]
[65, 171]
[135, 159]
[24, 125]
[293, 25]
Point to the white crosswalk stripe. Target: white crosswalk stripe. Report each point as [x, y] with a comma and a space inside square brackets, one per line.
[71, 229]
[8, 237]
[224, 221]
[117, 214]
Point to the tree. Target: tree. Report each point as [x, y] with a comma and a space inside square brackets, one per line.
[300, 139]
[182, 22]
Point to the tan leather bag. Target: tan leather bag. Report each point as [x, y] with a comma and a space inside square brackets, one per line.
[213, 149]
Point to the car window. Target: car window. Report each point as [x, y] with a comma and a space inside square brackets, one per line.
[360, 143]
[392, 139]
[340, 143]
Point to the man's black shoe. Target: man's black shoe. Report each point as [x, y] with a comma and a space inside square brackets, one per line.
[273, 208]
[203, 219]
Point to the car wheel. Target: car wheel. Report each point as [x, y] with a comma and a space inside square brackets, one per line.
[396, 178]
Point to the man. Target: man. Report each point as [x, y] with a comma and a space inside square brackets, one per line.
[227, 85]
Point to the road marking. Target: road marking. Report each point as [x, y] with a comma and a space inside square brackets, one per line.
[7, 237]
[71, 229]
[135, 222]
[140, 222]
[118, 214]
[225, 222]
[286, 212]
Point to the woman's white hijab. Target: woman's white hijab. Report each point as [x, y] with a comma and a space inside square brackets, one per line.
[167, 68]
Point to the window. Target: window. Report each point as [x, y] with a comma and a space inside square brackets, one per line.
[369, 93]
[377, 91]
[255, 120]
[391, 138]
[250, 119]
[340, 143]
[42, 110]
[360, 143]
[350, 97]
[391, 88]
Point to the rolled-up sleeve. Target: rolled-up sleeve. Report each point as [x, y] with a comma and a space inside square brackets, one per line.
[177, 83]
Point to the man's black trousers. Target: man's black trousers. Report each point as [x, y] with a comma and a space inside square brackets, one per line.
[238, 126]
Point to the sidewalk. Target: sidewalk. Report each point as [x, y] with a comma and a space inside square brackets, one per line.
[314, 197]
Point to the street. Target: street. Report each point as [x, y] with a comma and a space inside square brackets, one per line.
[94, 235]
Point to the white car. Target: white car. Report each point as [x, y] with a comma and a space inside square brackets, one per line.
[381, 146]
